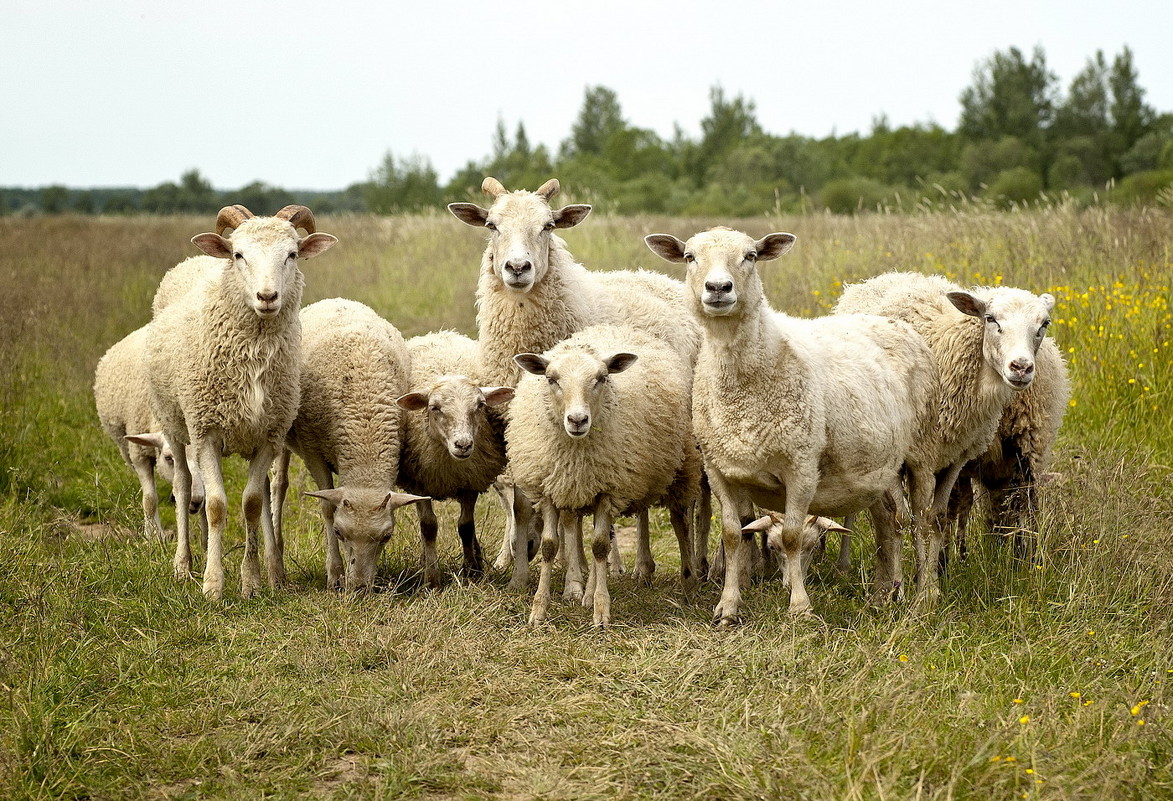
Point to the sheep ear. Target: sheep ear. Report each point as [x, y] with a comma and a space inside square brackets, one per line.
[412, 401]
[570, 216]
[532, 363]
[334, 496]
[1048, 300]
[394, 500]
[495, 396]
[771, 246]
[827, 524]
[666, 246]
[152, 439]
[469, 213]
[315, 245]
[967, 303]
[213, 245]
[620, 362]
[761, 524]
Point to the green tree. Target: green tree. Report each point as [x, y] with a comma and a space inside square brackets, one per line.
[399, 185]
[730, 122]
[54, 199]
[599, 119]
[1010, 96]
[1131, 116]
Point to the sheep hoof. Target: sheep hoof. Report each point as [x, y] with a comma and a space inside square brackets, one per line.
[182, 570]
[602, 617]
[688, 586]
[519, 583]
[573, 593]
[643, 575]
[726, 615]
[537, 617]
[213, 591]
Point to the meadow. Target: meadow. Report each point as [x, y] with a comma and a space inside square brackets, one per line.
[1042, 680]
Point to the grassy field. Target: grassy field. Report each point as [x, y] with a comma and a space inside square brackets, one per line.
[1029, 681]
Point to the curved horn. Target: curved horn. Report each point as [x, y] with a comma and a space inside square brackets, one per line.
[493, 188]
[298, 217]
[231, 217]
[548, 189]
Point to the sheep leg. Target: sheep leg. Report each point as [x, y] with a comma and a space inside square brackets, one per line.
[181, 487]
[202, 521]
[255, 502]
[704, 521]
[474, 560]
[216, 503]
[324, 481]
[279, 487]
[601, 549]
[736, 548]
[615, 558]
[524, 520]
[144, 468]
[843, 562]
[645, 565]
[681, 521]
[429, 528]
[541, 605]
[570, 526]
[931, 529]
[889, 578]
[274, 540]
[504, 492]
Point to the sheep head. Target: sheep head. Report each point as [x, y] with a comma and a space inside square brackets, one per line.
[520, 225]
[165, 464]
[722, 267]
[1015, 323]
[264, 251]
[578, 384]
[798, 547]
[364, 520]
[456, 410]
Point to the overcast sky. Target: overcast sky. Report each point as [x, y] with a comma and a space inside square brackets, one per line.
[310, 95]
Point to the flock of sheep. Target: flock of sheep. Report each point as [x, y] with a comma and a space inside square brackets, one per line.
[601, 393]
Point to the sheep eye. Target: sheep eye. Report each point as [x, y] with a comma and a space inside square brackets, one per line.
[169, 459]
[238, 255]
[338, 534]
[552, 380]
[491, 226]
[292, 255]
[751, 256]
[548, 226]
[690, 258]
[601, 379]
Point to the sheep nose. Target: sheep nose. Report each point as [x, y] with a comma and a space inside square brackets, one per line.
[518, 266]
[194, 507]
[267, 297]
[1022, 366]
[578, 419]
[719, 287]
[462, 445]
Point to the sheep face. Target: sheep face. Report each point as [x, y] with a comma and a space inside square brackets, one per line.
[797, 550]
[455, 408]
[578, 385]
[722, 267]
[1015, 323]
[264, 252]
[364, 520]
[165, 463]
[520, 226]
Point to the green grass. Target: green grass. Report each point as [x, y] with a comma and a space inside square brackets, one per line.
[118, 682]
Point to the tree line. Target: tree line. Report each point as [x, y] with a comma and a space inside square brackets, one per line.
[1021, 138]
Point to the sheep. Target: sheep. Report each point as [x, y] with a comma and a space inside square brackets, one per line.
[1013, 467]
[799, 416]
[353, 366]
[532, 294]
[984, 343]
[222, 363]
[449, 447]
[600, 424]
[122, 396]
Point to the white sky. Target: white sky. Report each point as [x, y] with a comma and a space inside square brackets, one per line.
[310, 95]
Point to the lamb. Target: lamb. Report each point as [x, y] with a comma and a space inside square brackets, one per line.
[223, 367]
[799, 416]
[353, 366]
[1016, 463]
[600, 424]
[449, 447]
[984, 343]
[123, 399]
[532, 294]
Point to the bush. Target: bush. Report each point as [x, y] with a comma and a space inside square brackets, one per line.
[1015, 186]
[849, 195]
[1141, 188]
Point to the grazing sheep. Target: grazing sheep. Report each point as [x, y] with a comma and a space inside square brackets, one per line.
[222, 362]
[353, 366]
[449, 447]
[123, 399]
[803, 416]
[601, 425]
[984, 343]
[1011, 470]
[532, 294]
